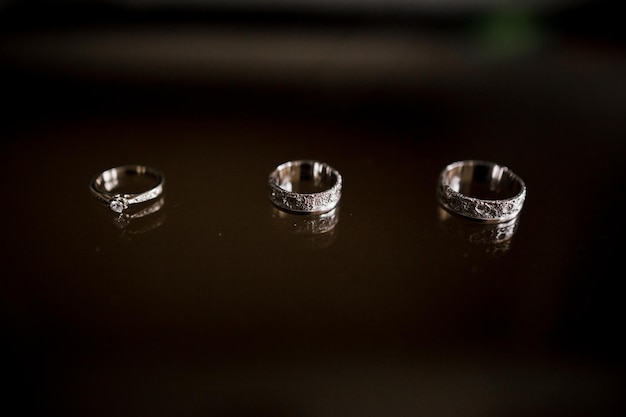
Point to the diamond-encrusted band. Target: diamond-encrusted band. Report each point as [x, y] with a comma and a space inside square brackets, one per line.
[305, 186]
[481, 190]
[104, 185]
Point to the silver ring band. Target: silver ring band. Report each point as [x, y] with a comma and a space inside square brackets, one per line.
[123, 178]
[481, 190]
[305, 186]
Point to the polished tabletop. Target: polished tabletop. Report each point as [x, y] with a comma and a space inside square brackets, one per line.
[216, 302]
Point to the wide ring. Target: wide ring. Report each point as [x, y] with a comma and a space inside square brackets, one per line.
[481, 190]
[117, 186]
[305, 186]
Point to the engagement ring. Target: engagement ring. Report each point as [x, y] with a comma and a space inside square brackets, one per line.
[125, 185]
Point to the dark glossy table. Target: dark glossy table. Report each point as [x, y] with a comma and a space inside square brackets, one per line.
[217, 303]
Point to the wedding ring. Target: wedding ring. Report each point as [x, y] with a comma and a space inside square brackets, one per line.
[305, 186]
[122, 186]
[481, 190]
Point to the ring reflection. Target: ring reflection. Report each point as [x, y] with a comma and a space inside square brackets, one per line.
[140, 220]
[496, 238]
[314, 231]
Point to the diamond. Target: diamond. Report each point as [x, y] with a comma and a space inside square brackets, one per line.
[118, 204]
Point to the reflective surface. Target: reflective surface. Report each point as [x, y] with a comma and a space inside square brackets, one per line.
[214, 302]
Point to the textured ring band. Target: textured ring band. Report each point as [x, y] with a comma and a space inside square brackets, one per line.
[481, 190]
[120, 178]
[305, 186]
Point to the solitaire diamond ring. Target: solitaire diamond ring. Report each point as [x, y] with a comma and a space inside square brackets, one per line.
[481, 190]
[122, 186]
[305, 186]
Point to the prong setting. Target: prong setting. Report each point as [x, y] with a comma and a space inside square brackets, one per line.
[118, 203]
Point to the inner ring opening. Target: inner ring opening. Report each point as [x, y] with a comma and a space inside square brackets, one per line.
[484, 181]
[306, 177]
[127, 180]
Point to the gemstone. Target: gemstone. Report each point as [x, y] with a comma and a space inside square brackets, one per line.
[118, 204]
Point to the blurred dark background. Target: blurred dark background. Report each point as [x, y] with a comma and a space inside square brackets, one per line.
[214, 305]
[351, 57]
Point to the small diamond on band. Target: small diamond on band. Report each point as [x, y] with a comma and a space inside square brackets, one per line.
[118, 204]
